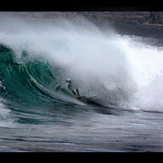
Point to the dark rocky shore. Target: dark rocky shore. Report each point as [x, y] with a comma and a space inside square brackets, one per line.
[141, 23]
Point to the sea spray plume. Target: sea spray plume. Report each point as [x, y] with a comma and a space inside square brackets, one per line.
[98, 64]
[147, 69]
[115, 72]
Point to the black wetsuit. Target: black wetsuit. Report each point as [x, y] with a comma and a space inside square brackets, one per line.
[70, 87]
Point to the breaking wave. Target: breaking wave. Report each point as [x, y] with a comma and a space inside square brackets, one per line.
[36, 57]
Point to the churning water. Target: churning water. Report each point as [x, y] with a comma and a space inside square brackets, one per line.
[122, 75]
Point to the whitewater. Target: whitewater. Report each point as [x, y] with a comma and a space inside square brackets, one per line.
[121, 74]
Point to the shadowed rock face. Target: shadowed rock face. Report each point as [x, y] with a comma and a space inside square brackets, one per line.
[146, 24]
[122, 17]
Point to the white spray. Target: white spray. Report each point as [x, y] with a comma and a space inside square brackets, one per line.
[114, 68]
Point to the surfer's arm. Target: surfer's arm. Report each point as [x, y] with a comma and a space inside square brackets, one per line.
[58, 87]
[78, 95]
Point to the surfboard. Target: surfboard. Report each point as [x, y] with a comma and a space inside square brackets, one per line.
[89, 101]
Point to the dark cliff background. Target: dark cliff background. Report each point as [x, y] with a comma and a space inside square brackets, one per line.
[142, 23]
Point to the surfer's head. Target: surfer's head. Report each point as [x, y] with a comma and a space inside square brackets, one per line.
[68, 80]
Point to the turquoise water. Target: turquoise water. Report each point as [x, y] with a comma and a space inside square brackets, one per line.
[122, 75]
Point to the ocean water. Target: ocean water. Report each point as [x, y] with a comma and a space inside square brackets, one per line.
[122, 76]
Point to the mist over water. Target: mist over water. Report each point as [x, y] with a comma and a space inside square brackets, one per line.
[95, 63]
[122, 72]
[147, 69]
[122, 69]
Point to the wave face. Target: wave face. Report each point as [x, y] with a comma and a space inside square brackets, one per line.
[35, 57]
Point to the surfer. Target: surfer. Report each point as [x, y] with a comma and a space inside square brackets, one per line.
[84, 99]
[76, 93]
[72, 90]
